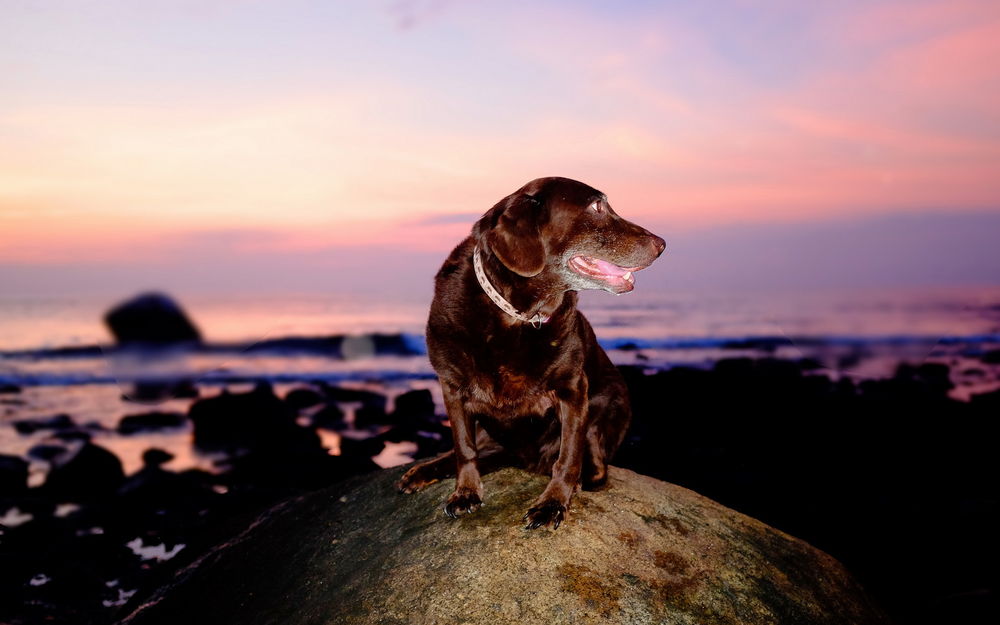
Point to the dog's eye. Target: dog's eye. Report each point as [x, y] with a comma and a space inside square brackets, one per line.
[597, 207]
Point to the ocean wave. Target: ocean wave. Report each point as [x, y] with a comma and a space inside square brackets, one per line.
[352, 347]
[394, 357]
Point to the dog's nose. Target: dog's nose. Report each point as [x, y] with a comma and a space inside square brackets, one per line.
[658, 244]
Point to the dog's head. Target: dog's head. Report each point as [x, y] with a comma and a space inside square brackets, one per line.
[567, 230]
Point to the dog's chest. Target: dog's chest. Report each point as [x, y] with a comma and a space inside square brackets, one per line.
[512, 388]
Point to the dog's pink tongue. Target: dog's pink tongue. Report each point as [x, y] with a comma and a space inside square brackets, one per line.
[607, 268]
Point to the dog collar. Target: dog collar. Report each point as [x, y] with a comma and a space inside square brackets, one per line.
[536, 321]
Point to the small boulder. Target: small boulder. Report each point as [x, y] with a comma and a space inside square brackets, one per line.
[414, 407]
[57, 423]
[992, 357]
[256, 420]
[329, 417]
[46, 452]
[13, 475]
[299, 398]
[370, 400]
[92, 473]
[150, 422]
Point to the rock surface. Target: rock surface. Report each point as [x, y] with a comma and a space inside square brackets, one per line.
[643, 551]
[151, 318]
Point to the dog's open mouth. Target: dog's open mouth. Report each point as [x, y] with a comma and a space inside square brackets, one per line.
[619, 279]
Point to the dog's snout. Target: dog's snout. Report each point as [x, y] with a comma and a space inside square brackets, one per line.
[658, 244]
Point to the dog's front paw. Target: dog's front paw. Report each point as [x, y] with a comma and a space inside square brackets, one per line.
[415, 479]
[545, 513]
[462, 502]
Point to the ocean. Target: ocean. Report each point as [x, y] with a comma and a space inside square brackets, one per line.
[58, 352]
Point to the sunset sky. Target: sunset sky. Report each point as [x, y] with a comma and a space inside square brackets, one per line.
[211, 144]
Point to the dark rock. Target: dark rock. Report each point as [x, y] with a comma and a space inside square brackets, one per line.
[155, 457]
[372, 410]
[241, 421]
[361, 447]
[329, 417]
[367, 416]
[13, 475]
[810, 364]
[930, 377]
[299, 398]
[431, 438]
[414, 406]
[154, 496]
[148, 391]
[991, 357]
[72, 435]
[151, 318]
[46, 452]
[268, 451]
[9, 389]
[150, 422]
[642, 551]
[58, 422]
[989, 400]
[92, 473]
[373, 401]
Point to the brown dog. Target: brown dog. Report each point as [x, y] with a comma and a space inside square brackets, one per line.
[523, 377]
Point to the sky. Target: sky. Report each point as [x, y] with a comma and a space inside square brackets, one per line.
[231, 144]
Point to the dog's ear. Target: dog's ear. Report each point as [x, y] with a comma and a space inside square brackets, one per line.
[510, 229]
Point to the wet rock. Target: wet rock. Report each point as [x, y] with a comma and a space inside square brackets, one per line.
[930, 377]
[72, 435]
[991, 357]
[268, 451]
[57, 422]
[366, 416]
[299, 398]
[145, 391]
[13, 475]
[155, 457]
[92, 473]
[370, 400]
[361, 447]
[990, 400]
[431, 438]
[150, 422]
[643, 551]
[329, 417]
[414, 407]
[246, 421]
[46, 452]
[151, 318]
[161, 501]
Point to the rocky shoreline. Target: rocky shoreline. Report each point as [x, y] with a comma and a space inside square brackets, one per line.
[893, 477]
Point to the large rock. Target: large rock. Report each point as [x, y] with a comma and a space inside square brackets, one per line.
[13, 475]
[256, 420]
[150, 318]
[92, 473]
[643, 551]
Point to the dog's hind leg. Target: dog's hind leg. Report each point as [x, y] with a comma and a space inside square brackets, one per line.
[490, 457]
[595, 465]
[604, 437]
